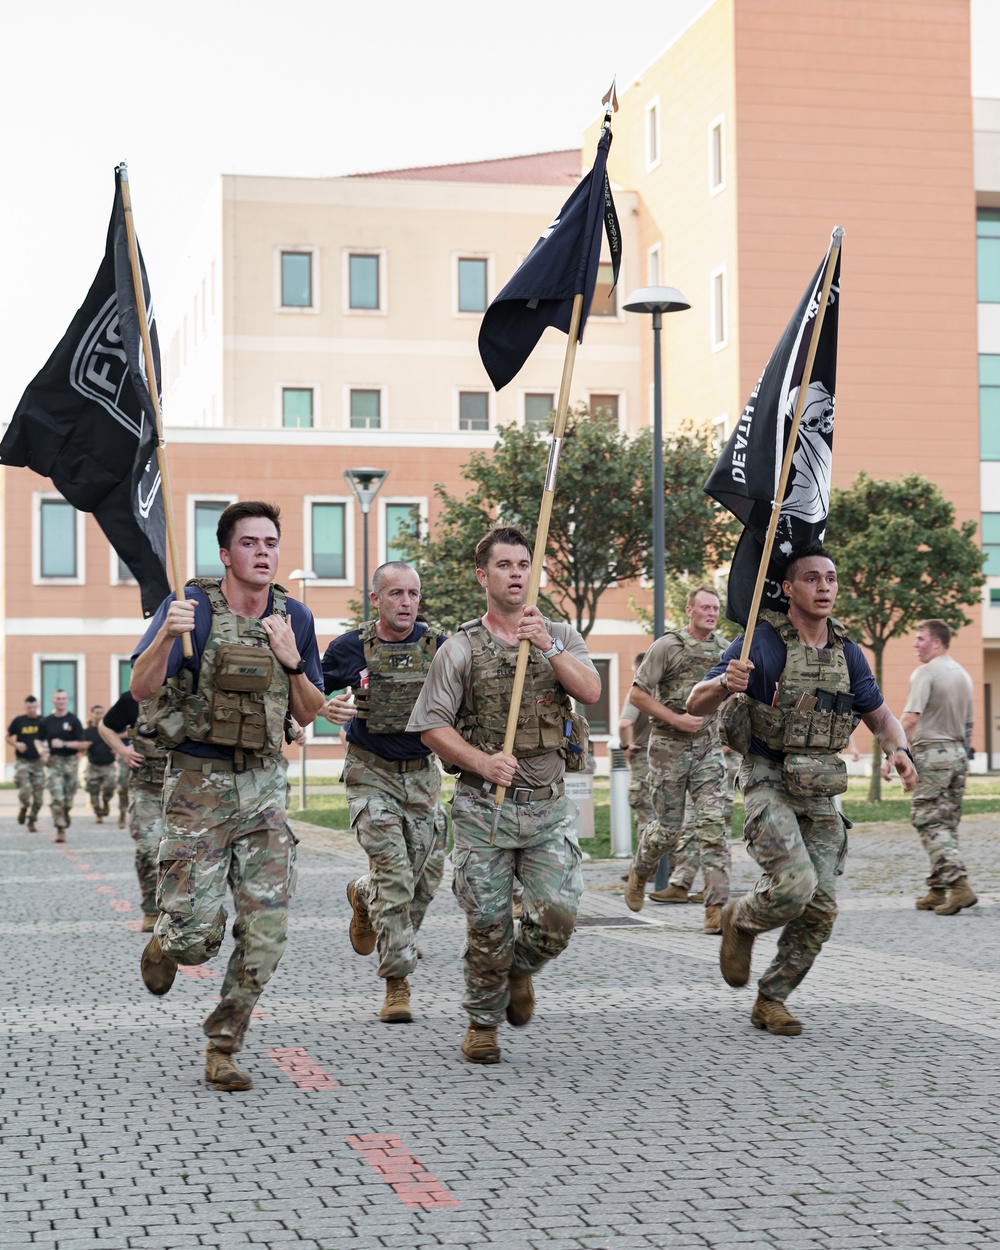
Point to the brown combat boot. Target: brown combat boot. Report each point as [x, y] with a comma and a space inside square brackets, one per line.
[672, 894]
[959, 895]
[521, 1007]
[158, 970]
[774, 1017]
[148, 924]
[32, 827]
[699, 897]
[396, 1008]
[736, 949]
[361, 933]
[60, 835]
[480, 1043]
[222, 1073]
[713, 919]
[635, 890]
[22, 814]
[121, 825]
[934, 896]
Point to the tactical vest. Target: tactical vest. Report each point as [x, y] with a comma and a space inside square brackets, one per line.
[545, 708]
[396, 675]
[800, 733]
[154, 753]
[698, 655]
[241, 700]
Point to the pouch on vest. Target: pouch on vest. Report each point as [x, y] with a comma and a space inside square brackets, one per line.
[575, 749]
[242, 675]
[243, 669]
[814, 776]
[734, 725]
[165, 715]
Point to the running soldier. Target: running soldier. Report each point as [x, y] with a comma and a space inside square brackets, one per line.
[29, 767]
[62, 734]
[101, 768]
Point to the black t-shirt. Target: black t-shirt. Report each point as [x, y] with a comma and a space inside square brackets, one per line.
[122, 714]
[26, 729]
[66, 727]
[344, 665]
[98, 752]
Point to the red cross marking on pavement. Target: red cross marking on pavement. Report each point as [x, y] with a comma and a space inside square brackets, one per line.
[413, 1184]
[196, 972]
[300, 1068]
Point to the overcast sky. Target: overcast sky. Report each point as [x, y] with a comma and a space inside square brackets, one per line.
[190, 89]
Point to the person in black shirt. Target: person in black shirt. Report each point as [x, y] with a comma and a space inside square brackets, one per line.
[29, 767]
[62, 734]
[100, 766]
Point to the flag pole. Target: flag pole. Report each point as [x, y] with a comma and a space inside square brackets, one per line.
[836, 239]
[147, 351]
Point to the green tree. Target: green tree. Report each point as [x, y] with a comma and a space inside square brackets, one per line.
[600, 529]
[901, 559]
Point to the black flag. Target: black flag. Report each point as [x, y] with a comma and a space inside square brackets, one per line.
[563, 263]
[746, 478]
[85, 420]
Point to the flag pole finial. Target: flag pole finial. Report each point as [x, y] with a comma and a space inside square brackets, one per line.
[610, 102]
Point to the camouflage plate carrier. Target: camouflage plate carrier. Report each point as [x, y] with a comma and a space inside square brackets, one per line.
[546, 720]
[154, 754]
[697, 657]
[396, 675]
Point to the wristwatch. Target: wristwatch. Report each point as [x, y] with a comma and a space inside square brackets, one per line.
[723, 683]
[557, 648]
[897, 750]
[299, 668]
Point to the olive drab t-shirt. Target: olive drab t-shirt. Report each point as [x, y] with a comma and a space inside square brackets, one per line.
[941, 694]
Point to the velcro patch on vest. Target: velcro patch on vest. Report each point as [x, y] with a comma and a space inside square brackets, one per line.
[243, 669]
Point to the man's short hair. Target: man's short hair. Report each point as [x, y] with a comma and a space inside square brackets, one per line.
[96, 706]
[637, 660]
[701, 590]
[937, 629]
[379, 576]
[31, 699]
[500, 536]
[803, 552]
[240, 511]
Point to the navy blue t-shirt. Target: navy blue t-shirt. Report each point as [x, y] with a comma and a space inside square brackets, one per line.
[303, 628]
[768, 654]
[344, 665]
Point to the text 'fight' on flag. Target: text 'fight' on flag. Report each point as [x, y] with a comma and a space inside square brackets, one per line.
[86, 420]
[562, 264]
[747, 476]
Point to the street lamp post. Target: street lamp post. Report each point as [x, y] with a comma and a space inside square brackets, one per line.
[366, 484]
[657, 300]
[304, 576]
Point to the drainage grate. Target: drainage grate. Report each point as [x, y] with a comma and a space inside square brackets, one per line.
[610, 922]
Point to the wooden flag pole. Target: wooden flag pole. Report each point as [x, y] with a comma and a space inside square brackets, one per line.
[154, 399]
[786, 464]
[541, 538]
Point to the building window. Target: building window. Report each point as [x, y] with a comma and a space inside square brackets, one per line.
[716, 156]
[329, 547]
[122, 574]
[538, 409]
[363, 281]
[366, 410]
[124, 675]
[296, 280]
[988, 254]
[58, 675]
[604, 406]
[654, 265]
[605, 302]
[720, 433]
[991, 543]
[471, 285]
[297, 407]
[653, 133]
[401, 520]
[599, 714]
[989, 407]
[473, 410]
[718, 309]
[994, 597]
[58, 556]
[206, 545]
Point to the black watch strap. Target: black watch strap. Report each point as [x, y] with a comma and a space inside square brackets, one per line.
[299, 668]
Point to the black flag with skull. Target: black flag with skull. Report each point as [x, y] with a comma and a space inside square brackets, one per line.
[745, 479]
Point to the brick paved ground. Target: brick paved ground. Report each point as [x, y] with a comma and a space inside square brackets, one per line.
[639, 1108]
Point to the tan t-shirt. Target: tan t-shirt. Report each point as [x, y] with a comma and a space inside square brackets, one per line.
[941, 694]
[448, 689]
[661, 662]
[639, 722]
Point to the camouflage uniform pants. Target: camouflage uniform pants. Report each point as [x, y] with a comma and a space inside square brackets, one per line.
[29, 777]
[63, 777]
[101, 780]
[690, 769]
[537, 842]
[398, 821]
[937, 807]
[686, 859]
[800, 844]
[640, 798]
[145, 824]
[222, 829]
[124, 773]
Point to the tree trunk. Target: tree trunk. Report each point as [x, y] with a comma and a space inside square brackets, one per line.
[875, 785]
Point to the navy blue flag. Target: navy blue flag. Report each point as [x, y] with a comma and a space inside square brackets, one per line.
[745, 480]
[86, 421]
[562, 264]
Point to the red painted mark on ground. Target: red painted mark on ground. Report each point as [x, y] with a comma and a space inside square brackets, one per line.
[298, 1065]
[414, 1185]
[197, 972]
[134, 925]
[121, 904]
[92, 876]
[81, 866]
[255, 1012]
[105, 889]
